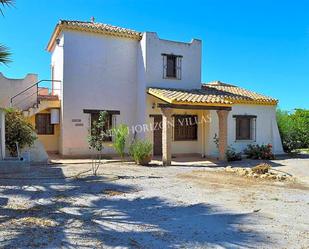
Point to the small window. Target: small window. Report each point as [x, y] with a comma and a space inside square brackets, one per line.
[172, 66]
[245, 128]
[43, 125]
[185, 127]
[107, 126]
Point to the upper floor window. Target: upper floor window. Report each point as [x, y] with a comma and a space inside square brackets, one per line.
[245, 127]
[171, 66]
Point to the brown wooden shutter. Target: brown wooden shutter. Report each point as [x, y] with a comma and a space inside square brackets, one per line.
[164, 66]
[178, 67]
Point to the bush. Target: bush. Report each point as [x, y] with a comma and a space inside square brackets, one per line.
[141, 151]
[231, 155]
[17, 130]
[120, 137]
[261, 168]
[256, 151]
[294, 129]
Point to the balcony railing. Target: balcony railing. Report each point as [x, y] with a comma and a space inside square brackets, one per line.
[31, 96]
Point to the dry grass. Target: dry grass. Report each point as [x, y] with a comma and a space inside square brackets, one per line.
[262, 168]
[222, 179]
[113, 192]
[34, 221]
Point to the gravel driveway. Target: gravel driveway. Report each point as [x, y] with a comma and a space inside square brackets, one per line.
[128, 206]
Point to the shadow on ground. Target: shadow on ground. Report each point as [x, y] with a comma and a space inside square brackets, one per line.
[47, 210]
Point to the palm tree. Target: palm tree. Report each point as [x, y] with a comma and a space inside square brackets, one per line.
[4, 51]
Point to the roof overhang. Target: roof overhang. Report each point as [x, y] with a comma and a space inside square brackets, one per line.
[61, 26]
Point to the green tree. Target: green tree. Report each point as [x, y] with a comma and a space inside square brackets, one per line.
[4, 51]
[96, 139]
[17, 130]
[294, 129]
[97, 134]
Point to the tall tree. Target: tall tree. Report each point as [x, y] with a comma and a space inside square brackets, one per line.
[4, 51]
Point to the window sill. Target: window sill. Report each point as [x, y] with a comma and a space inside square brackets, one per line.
[186, 140]
[171, 78]
[245, 141]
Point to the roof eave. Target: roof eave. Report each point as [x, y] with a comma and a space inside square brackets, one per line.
[60, 26]
[53, 38]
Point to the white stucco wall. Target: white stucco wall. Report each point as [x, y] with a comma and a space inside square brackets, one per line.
[266, 128]
[100, 72]
[10, 87]
[191, 62]
[150, 68]
[57, 66]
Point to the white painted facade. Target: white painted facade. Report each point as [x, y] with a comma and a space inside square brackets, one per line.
[103, 72]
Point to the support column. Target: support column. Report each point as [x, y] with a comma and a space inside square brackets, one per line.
[167, 129]
[2, 134]
[222, 115]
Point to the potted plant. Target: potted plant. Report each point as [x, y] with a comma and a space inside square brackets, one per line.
[140, 151]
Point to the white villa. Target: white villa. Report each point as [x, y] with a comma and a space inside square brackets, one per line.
[152, 85]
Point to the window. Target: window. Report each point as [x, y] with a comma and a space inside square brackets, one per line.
[107, 126]
[245, 127]
[172, 66]
[43, 125]
[185, 127]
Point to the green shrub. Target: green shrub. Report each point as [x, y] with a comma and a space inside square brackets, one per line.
[17, 130]
[232, 155]
[141, 151]
[256, 151]
[261, 168]
[120, 138]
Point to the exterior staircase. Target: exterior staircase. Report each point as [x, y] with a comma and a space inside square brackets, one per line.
[36, 98]
[31, 101]
[44, 102]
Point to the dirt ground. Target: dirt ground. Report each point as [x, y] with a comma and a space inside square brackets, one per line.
[129, 206]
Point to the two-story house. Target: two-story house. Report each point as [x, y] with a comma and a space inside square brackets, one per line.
[152, 85]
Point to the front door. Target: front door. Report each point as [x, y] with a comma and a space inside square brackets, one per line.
[157, 135]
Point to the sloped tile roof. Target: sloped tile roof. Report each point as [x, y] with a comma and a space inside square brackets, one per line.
[194, 96]
[214, 93]
[93, 27]
[237, 94]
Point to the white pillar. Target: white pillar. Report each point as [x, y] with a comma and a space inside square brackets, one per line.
[2, 134]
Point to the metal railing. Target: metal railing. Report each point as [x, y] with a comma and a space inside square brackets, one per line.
[30, 97]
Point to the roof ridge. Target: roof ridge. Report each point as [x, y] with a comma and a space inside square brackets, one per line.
[62, 21]
[93, 27]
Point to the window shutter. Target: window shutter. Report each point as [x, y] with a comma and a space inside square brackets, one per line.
[164, 66]
[178, 67]
[114, 125]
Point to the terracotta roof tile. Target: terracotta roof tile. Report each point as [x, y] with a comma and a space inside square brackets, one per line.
[237, 94]
[216, 93]
[93, 27]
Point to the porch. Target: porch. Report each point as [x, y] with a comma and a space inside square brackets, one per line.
[166, 107]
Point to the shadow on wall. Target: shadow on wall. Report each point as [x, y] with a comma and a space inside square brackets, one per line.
[79, 213]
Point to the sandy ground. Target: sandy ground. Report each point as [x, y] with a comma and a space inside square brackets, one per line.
[128, 206]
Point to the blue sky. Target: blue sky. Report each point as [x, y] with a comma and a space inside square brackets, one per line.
[261, 45]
